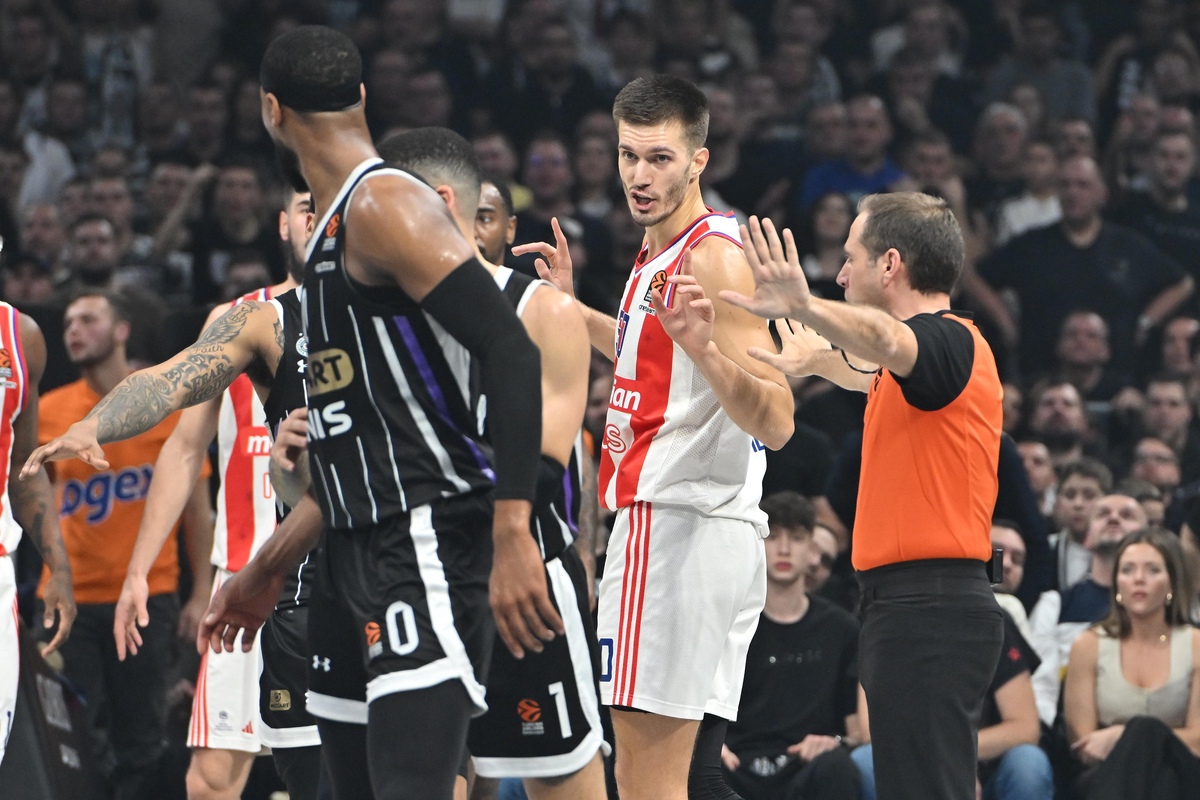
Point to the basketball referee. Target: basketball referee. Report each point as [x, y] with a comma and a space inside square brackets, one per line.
[932, 631]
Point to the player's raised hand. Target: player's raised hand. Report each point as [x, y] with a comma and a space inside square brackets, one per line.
[130, 615]
[240, 606]
[78, 442]
[555, 262]
[781, 290]
[689, 319]
[525, 617]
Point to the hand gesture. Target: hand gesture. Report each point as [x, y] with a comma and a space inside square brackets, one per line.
[241, 605]
[801, 348]
[291, 440]
[130, 615]
[689, 319]
[729, 758]
[59, 598]
[812, 746]
[555, 263]
[525, 617]
[781, 288]
[1095, 746]
[78, 442]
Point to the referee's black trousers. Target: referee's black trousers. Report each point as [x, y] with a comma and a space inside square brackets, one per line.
[930, 643]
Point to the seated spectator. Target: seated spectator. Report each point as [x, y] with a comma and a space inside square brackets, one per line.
[866, 167]
[1014, 399]
[1132, 693]
[1059, 420]
[924, 100]
[247, 271]
[1006, 535]
[1083, 262]
[1084, 357]
[1130, 150]
[998, 151]
[1155, 463]
[43, 235]
[822, 243]
[498, 157]
[785, 744]
[1059, 617]
[1074, 136]
[1148, 496]
[1038, 467]
[1038, 205]
[27, 282]
[832, 577]
[1011, 765]
[1168, 416]
[1080, 485]
[1176, 346]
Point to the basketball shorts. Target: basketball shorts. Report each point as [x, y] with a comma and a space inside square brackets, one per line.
[679, 604]
[283, 682]
[10, 650]
[225, 707]
[543, 718]
[401, 606]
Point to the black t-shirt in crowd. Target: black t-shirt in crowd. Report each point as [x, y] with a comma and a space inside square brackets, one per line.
[1016, 656]
[1176, 233]
[801, 679]
[1116, 276]
[802, 465]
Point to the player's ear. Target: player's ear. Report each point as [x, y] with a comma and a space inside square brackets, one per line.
[448, 197]
[272, 112]
[699, 161]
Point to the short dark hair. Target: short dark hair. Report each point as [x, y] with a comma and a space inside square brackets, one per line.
[89, 218]
[655, 99]
[1169, 377]
[790, 510]
[313, 68]
[440, 156]
[502, 188]
[1087, 467]
[1011, 524]
[122, 306]
[923, 230]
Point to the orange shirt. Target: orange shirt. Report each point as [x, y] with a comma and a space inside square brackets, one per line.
[929, 478]
[100, 511]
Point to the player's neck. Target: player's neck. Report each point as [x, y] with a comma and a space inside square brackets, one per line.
[786, 603]
[468, 232]
[332, 154]
[101, 378]
[287, 285]
[659, 236]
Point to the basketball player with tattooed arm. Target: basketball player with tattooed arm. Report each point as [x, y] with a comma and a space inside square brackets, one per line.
[560, 758]
[26, 507]
[682, 458]
[399, 315]
[233, 381]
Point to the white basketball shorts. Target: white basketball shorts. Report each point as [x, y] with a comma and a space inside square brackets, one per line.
[679, 604]
[10, 650]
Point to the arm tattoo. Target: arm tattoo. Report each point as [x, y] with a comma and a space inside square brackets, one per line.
[32, 503]
[199, 373]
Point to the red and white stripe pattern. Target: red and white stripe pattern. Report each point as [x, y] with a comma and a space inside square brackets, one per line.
[666, 438]
[245, 501]
[633, 598]
[198, 732]
[14, 383]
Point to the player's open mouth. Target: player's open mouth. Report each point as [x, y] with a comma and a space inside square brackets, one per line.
[641, 202]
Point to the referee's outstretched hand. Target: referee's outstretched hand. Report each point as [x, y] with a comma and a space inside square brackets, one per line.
[781, 290]
[525, 617]
[240, 606]
[800, 353]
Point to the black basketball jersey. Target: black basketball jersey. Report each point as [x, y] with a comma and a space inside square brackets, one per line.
[286, 395]
[556, 506]
[389, 425]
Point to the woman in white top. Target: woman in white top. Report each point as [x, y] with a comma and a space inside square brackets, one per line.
[1132, 695]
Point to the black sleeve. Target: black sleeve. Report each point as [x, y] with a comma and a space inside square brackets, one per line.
[468, 304]
[1012, 657]
[1015, 500]
[1157, 270]
[945, 358]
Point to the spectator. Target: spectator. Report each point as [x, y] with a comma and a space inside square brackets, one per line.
[1026, 97]
[737, 178]
[387, 85]
[67, 116]
[794, 67]
[999, 149]
[930, 28]
[206, 114]
[1128, 154]
[827, 131]
[1169, 417]
[1065, 84]
[786, 744]
[50, 164]
[597, 188]
[13, 163]
[1176, 346]
[1037, 206]
[825, 543]
[1058, 419]
[1014, 401]
[866, 167]
[1164, 214]
[822, 243]
[73, 200]
[1038, 467]
[43, 236]
[924, 100]
[497, 156]
[111, 198]
[92, 255]
[1086, 262]
[30, 57]
[1007, 535]
[99, 513]
[1148, 497]
[160, 127]
[429, 100]
[1084, 357]
[1082, 484]
[247, 271]
[1131, 705]
[808, 22]
[247, 136]
[1059, 617]
[27, 282]
[631, 43]
[1075, 136]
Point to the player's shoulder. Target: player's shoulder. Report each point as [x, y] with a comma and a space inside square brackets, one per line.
[377, 194]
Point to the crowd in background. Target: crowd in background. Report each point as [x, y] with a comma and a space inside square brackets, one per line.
[1063, 135]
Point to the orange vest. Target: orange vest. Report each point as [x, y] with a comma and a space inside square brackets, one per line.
[929, 478]
[100, 510]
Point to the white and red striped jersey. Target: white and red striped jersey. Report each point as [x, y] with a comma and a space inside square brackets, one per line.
[14, 390]
[245, 501]
[667, 439]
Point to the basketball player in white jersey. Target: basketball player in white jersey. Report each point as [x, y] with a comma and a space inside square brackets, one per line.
[226, 731]
[25, 506]
[682, 457]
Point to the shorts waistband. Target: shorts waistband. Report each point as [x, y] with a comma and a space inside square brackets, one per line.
[934, 575]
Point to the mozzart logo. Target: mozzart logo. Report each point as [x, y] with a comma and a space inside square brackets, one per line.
[328, 371]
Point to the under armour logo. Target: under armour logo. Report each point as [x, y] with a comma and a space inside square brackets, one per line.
[321, 663]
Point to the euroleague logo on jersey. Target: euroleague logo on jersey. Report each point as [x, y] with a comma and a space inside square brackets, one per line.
[529, 710]
[6, 371]
[331, 228]
[657, 282]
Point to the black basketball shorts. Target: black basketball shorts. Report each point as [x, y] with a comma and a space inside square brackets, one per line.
[401, 606]
[283, 682]
[543, 718]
